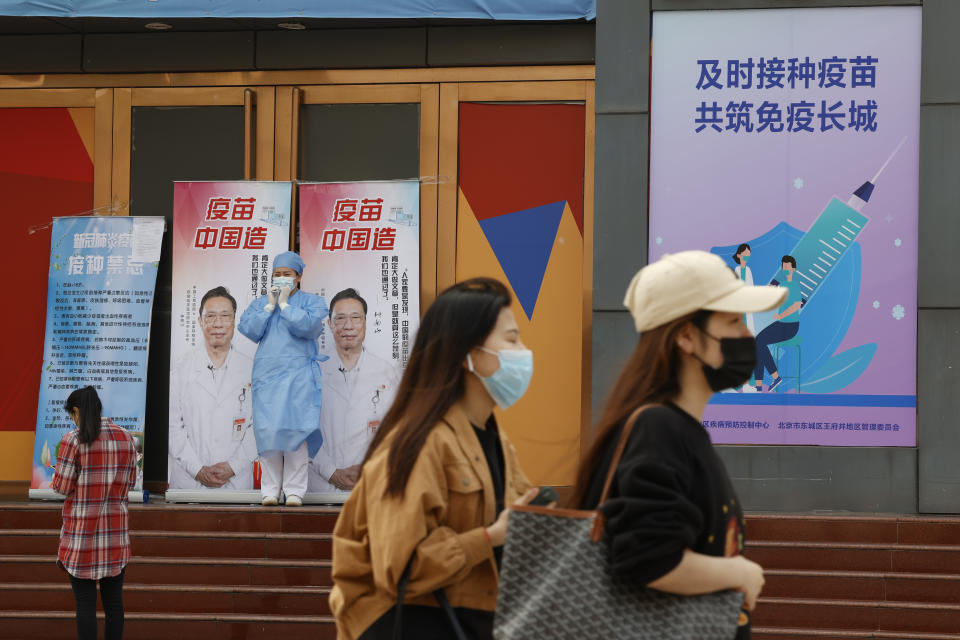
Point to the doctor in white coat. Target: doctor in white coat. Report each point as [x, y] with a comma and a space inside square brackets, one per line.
[212, 444]
[358, 389]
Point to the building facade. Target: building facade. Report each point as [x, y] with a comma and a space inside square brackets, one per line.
[494, 117]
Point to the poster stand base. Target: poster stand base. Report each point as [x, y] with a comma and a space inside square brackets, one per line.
[326, 498]
[50, 494]
[244, 497]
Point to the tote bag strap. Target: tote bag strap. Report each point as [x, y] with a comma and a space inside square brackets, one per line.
[439, 594]
[618, 453]
[596, 531]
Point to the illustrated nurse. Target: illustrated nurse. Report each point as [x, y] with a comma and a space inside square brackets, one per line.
[743, 272]
[741, 257]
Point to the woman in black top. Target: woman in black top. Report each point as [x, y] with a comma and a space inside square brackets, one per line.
[673, 520]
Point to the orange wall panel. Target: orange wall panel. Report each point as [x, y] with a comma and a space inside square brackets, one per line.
[519, 219]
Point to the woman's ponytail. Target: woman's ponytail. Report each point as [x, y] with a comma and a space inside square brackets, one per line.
[87, 402]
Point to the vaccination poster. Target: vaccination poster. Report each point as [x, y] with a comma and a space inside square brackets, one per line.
[786, 142]
[103, 271]
[225, 235]
[362, 237]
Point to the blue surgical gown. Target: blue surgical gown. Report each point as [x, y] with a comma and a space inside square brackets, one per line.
[286, 371]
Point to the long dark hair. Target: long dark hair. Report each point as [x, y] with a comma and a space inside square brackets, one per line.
[743, 247]
[459, 319]
[87, 402]
[651, 375]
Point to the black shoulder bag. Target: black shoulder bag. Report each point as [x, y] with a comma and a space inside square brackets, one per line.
[439, 594]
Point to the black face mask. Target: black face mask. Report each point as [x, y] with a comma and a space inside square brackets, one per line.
[739, 359]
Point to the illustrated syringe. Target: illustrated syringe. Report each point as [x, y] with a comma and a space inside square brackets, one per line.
[831, 235]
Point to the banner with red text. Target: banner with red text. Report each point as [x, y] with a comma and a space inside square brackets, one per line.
[366, 236]
[360, 240]
[225, 234]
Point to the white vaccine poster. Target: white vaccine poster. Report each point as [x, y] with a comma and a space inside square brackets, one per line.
[786, 142]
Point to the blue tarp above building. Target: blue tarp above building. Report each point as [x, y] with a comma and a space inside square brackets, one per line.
[467, 9]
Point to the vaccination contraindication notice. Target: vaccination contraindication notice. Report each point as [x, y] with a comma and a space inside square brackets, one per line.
[100, 290]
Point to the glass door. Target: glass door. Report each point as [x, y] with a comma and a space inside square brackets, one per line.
[371, 132]
[169, 134]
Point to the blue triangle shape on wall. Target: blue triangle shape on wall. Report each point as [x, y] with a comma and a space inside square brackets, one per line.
[522, 242]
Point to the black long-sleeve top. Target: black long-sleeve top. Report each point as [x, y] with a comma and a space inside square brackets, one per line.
[670, 492]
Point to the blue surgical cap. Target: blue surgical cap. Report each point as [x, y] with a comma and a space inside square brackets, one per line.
[289, 260]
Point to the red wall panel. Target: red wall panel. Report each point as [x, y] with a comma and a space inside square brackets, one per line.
[45, 171]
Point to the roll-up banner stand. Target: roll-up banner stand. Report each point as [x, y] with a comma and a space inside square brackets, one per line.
[101, 281]
[362, 238]
[225, 235]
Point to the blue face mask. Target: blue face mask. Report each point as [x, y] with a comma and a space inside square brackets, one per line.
[508, 383]
[283, 281]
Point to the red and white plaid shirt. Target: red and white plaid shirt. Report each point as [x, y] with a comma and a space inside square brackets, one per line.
[95, 477]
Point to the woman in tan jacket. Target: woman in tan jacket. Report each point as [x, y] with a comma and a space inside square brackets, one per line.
[432, 493]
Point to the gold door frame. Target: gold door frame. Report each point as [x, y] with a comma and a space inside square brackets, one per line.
[125, 99]
[101, 101]
[277, 96]
[293, 78]
[17, 440]
[451, 95]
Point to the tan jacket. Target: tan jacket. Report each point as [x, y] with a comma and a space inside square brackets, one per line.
[448, 500]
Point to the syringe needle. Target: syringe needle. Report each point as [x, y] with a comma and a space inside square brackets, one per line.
[902, 140]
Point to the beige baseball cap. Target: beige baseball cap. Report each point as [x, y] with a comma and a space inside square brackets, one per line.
[681, 283]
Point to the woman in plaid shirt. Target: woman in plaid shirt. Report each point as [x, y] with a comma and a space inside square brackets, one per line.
[96, 468]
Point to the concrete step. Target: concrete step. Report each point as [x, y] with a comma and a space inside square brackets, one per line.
[862, 585]
[177, 598]
[176, 517]
[61, 625]
[201, 544]
[215, 571]
[194, 571]
[855, 556]
[857, 615]
[893, 529]
[785, 633]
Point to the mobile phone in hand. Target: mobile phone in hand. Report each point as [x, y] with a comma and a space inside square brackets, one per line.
[545, 496]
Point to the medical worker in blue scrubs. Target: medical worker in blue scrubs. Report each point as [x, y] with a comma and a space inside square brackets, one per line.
[285, 324]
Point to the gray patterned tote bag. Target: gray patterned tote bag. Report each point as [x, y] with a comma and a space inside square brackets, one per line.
[556, 583]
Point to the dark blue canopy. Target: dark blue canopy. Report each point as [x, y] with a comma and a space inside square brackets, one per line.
[476, 9]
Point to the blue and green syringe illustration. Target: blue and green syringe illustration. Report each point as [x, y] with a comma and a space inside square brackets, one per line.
[831, 235]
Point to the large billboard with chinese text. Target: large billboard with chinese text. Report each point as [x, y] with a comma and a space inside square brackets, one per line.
[363, 239]
[225, 235]
[99, 301]
[786, 142]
